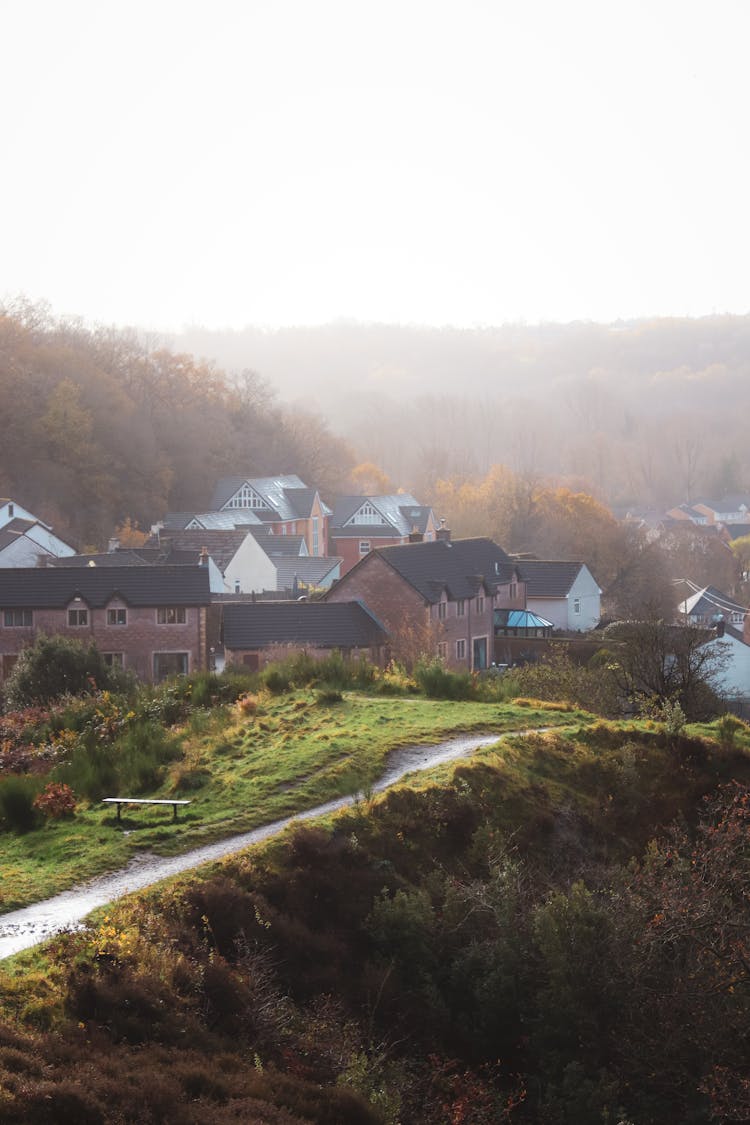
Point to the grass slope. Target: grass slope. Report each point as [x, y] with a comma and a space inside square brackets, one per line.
[243, 771]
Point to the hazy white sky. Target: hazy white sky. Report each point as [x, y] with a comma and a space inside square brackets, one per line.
[436, 161]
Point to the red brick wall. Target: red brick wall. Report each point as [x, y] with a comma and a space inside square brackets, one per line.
[348, 549]
[139, 639]
[280, 652]
[393, 601]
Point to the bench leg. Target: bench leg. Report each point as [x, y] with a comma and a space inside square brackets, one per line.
[118, 810]
[174, 812]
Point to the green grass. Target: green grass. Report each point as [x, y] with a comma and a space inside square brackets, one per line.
[240, 772]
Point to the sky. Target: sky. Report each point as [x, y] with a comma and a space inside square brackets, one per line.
[275, 162]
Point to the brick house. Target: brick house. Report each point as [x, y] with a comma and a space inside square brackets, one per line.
[151, 620]
[254, 632]
[360, 523]
[437, 596]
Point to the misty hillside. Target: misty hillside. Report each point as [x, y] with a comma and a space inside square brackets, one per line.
[647, 412]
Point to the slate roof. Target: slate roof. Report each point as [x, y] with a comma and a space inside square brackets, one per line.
[458, 565]
[737, 530]
[104, 558]
[553, 579]
[254, 625]
[227, 521]
[274, 545]
[710, 602]
[401, 512]
[309, 570]
[55, 587]
[223, 544]
[13, 530]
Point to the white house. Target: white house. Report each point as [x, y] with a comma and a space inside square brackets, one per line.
[733, 680]
[24, 539]
[564, 593]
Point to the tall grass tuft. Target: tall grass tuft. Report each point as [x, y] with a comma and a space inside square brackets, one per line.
[17, 795]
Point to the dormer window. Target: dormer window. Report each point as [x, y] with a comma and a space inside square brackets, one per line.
[246, 497]
[367, 514]
[78, 618]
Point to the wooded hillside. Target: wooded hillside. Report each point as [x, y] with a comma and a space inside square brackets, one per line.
[99, 427]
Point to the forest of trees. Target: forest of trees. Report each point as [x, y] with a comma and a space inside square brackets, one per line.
[641, 413]
[100, 428]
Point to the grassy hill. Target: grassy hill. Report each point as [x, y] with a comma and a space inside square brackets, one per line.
[518, 937]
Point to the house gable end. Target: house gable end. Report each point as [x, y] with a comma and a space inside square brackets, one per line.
[246, 497]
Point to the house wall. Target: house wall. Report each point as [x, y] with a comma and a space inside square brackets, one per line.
[138, 640]
[412, 623]
[560, 611]
[734, 679]
[347, 547]
[251, 567]
[257, 658]
[11, 511]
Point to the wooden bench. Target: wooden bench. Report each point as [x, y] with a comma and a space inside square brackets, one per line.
[119, 801]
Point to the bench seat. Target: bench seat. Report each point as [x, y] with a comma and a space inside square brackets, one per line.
[119, 801]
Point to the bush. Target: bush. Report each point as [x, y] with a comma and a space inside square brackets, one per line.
[437, 682]
[57, 666]
[17, 802]
[57, 800]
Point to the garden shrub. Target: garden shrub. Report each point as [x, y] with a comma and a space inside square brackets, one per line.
[437, 682]
[17, 795]
[56, 666]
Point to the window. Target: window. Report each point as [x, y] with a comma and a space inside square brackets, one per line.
[17, 618]
[77, 617]
[113, 659]
[364, 546]
[315, 535]
[246, 498]
[513, 592]
[170, 615]
[460, 650]
[366, 514]
[442, 611]
[480, 604]
[170, 664]
[443, 650]
[576, 605]
[460, 607]
[117, 617]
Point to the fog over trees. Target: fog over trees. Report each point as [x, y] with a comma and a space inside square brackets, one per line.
[641, 413]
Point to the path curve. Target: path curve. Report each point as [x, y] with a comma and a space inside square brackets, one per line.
[21, 929]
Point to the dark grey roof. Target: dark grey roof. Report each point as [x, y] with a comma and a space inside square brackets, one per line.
[309, 570]
[222, 545]
[710, 602]
[548, 579]
[104, 558]
[737, 530]
[459, 566]
[274, 544]
[54, 588]
[13, 530]
[253, 625]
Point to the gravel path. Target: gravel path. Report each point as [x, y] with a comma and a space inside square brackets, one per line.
[21, 929]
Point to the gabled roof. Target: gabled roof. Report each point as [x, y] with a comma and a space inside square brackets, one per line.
[253, 625]
[458, 566]
[222, 544]
[309, 570]
[56, 587]
[105, 558]
[549, 579]
[274, 545]
[270, 489]
[13, 530]
[732, 502]
[401, 512]
[231, 518]
[710, 602]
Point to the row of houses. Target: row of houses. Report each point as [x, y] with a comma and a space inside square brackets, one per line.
[465, 600]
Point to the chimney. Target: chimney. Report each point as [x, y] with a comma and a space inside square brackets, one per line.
[415, 536]
[203, 557]
[113, 545]
[443, 532]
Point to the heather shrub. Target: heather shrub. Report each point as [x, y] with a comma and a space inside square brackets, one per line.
[56, 666]
[57, 800]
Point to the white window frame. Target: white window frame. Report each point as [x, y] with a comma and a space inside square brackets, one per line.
[576, 605]
[364, 546]
[461, 649]
[81, 615]
[461, 607]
